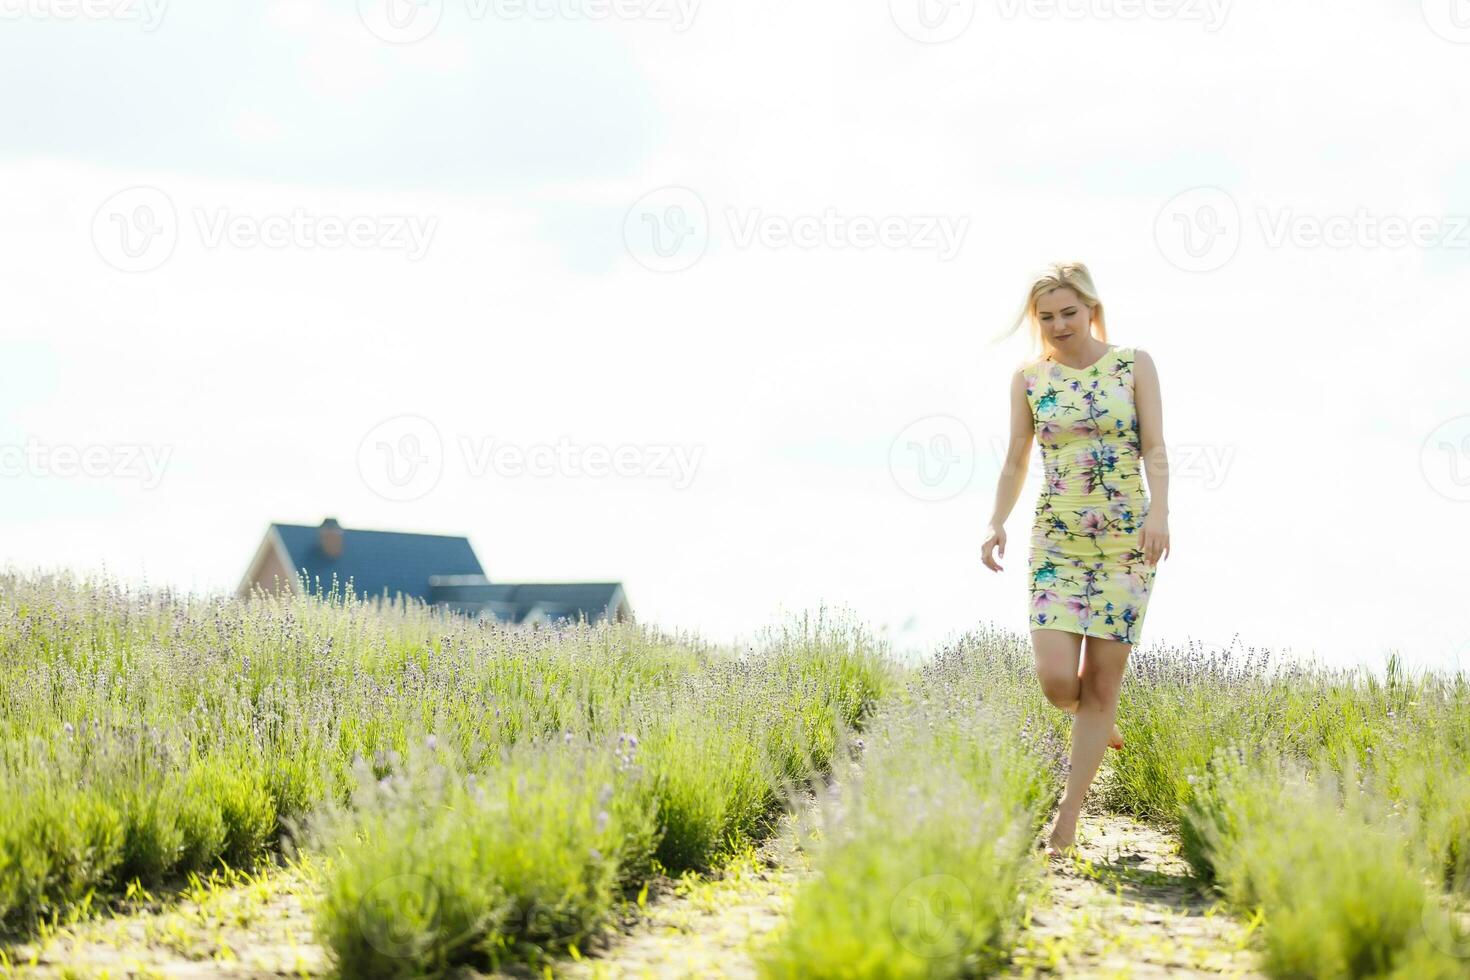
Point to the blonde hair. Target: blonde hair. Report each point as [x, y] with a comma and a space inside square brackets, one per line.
[1059, 275]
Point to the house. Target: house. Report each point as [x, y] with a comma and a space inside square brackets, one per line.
[437, 569]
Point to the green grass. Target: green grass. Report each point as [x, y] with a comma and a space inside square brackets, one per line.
[152, 736]
[1334, 803]
[1329, 860]
[482, 795]
[925, 858]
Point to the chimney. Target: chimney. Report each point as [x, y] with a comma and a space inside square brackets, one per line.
[330, 537]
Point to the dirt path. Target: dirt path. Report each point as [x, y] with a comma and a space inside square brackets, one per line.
[707, 929]
[1126, 906]
[242, 926]
[261, 926]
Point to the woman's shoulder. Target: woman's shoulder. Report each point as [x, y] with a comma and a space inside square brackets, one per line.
[1030, 364]
[1028, 371]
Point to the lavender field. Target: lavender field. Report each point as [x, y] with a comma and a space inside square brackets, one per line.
[451, 797]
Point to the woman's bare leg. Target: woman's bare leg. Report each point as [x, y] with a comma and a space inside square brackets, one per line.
[1097, 706]
[1115, 737]
[1058, 654]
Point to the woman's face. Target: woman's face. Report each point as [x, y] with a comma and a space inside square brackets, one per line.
[1063, 316]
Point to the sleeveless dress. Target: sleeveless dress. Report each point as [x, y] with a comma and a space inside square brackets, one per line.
[1088, 573]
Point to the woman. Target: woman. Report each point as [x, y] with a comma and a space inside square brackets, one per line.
[1096, 538]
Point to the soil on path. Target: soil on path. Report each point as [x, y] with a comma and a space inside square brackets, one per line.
[1126, 905]
[709, 929]
[261, 926]
[1123, 906]
[245, 925]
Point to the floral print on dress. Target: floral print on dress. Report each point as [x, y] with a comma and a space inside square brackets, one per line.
[1088, 573]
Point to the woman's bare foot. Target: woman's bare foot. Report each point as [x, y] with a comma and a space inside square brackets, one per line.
[1063, 832]
[1056, 847]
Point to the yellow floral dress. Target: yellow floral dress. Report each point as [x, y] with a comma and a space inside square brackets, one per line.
[1088, 573]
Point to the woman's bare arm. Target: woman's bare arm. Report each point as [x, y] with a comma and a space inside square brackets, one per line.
[1018, 453]
[1012, 472]
[1149, 404]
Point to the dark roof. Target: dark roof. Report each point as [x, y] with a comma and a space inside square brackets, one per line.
[514, 602]
[376, 561]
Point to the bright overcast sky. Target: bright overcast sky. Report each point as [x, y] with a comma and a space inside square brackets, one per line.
[260, 259]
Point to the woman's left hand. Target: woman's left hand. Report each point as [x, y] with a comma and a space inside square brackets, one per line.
[1155, 538]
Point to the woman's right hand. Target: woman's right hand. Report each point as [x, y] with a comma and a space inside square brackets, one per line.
[995, 538]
